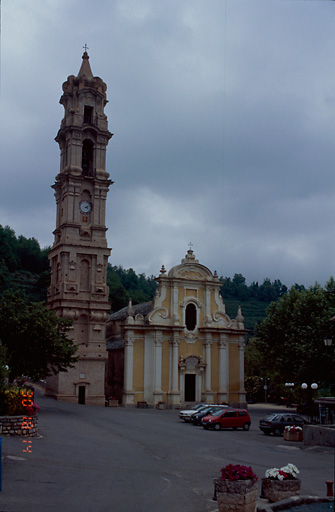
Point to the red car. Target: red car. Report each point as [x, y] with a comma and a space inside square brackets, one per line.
[229, 418]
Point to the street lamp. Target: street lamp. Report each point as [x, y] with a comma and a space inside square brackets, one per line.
[328, 341]
[305, 386]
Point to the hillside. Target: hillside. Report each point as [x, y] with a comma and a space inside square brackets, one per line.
[24, 267]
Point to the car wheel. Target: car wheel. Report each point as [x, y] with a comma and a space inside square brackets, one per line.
[206, 428]
[267, 432]
[246, 426]
[217, 426]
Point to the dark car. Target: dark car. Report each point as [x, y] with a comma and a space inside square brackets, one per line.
[197, 417]
[277, 422]
[228, 418]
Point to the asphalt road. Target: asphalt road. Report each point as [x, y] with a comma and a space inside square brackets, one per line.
[140, 460]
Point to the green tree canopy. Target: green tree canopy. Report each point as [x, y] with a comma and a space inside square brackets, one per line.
[35, 340]
[289, 341]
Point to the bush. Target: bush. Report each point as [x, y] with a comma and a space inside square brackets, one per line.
[11, 402]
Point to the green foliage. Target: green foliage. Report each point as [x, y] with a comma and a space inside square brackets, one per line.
[289, 343]
[23, 265]
[126, 284]
[35, 339]
[253, 311]
[236, 288]
[254, 387]
[11, 402]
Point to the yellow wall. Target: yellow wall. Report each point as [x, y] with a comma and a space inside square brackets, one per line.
[189, 349]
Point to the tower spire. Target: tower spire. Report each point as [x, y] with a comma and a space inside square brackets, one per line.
[85, 69]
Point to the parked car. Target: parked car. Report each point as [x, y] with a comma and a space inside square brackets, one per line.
[277, 422]
[228, 418]
[197, 417]
[187, 413]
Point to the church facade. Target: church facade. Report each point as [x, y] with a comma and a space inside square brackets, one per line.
[182, 347]
[79, 255]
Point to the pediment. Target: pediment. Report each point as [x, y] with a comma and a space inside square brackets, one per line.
[192, 272]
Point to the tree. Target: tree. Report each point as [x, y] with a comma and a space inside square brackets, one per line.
[35, 340]
[289, 341]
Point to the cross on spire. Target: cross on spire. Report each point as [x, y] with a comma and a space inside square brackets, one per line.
[190, 245]
[85, 47]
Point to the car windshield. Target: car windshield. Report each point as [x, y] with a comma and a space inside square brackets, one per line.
[271, 417]
[218, 412]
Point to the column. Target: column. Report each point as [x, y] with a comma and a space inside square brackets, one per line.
[242, 393]
[223, 393]
[208, 381]
[128, 395]
[174, 393]
[158, 394]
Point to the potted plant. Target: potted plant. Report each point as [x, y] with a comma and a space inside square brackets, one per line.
[293, 433]
[236, 489]
[280, 484]
[32, 409]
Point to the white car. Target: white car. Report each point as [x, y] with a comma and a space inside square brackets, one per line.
[187, 413]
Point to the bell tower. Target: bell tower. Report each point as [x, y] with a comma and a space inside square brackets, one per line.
[79, 255]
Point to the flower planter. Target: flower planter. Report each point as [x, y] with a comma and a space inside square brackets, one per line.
[112, 402]
[293, 436]
[236, 495]
[276, 490]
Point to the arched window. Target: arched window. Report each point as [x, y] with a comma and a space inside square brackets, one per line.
[87, 158]
[190, 317]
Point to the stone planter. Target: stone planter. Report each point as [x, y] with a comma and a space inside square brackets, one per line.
[236, 495]
[293, 436]
[276, 490]
[113, 403]
[19, 425]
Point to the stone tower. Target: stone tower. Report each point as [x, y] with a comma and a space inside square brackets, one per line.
[79, 255]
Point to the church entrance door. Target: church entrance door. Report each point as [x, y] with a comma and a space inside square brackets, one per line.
[81, 395]
[190, 387]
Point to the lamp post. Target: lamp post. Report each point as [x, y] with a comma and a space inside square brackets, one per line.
[313, 387]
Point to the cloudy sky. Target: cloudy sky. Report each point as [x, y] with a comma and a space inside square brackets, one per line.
[224, 119]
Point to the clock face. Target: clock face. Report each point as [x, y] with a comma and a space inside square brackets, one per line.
[85, 207]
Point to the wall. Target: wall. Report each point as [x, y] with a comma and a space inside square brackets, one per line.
[19, 425]
[317, 435]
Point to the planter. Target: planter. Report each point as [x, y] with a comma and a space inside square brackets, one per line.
[113, 403]
[276, 490]
[236, 495]
[293, 436]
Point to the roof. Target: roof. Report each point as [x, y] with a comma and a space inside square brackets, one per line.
[138, 309]
[85, 69]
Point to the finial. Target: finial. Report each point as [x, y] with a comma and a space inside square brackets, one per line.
[163, 271]
[130, 308]
[85, 47]
[190, 246]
